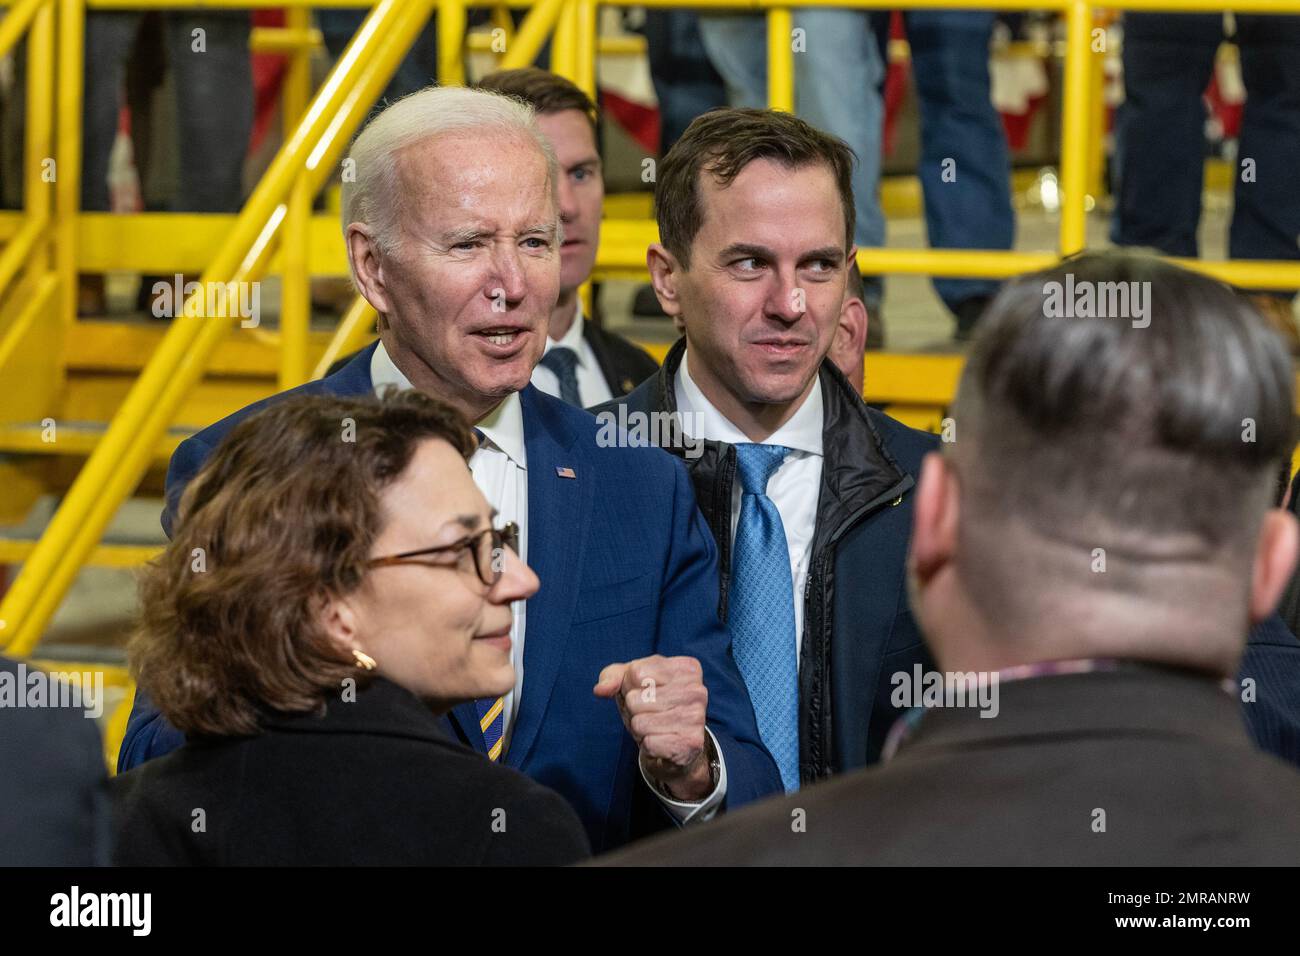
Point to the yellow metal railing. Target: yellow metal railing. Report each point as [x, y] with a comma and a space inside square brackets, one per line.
[119, 460]
[279, 211]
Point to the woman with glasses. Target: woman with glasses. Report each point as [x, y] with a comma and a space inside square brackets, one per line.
[335, 584]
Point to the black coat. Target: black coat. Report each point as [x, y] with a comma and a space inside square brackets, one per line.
[54, 808]
[1162, 753]
[621, 362]
[372, 782]
[858, 628]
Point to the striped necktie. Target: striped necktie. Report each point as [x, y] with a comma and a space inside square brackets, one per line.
[563, 361]
[491, 710]
[760, 610]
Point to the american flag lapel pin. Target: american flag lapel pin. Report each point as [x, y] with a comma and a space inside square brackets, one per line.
[565, 472]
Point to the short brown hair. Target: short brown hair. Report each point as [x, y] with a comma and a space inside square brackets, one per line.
[284, 512]
[544, 91]
[725, 141]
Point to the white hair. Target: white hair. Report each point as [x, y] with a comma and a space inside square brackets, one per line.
[368, 194]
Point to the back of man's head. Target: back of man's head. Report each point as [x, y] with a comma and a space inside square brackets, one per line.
[1118, 430]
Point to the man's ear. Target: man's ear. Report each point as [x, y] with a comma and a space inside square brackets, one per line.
[1275, 559]
[664, 271]
[934, 519]
[363, 254]
[850, 341]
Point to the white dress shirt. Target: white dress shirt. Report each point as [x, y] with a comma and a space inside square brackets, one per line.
[592, 386]
[500, 469]
[794, 487]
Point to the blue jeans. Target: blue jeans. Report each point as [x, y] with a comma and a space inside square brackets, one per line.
[837, 88]
[214, 104]
[686, 84]
[1160, 134]
[950, 67]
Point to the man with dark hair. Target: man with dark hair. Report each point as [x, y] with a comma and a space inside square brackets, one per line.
[806, 489]
[1089, 549]
[583, 363]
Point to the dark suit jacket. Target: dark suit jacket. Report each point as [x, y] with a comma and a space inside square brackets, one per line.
[623, 364]
[628, 569]
[1162, 753]
[1272, 661]
[54, 808]
[372, 782]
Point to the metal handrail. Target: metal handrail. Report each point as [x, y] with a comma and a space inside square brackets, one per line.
[121, 457]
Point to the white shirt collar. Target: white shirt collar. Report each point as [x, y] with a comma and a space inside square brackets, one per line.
[573, 338]
[803, 432]
[503, 426]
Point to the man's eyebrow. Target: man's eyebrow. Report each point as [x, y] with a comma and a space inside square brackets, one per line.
[547, 229]
[465, 234]
[592, 160]
[834, 253]
[746, 249]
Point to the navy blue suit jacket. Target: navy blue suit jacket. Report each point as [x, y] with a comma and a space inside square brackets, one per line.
[1272, 661]
[627, 568]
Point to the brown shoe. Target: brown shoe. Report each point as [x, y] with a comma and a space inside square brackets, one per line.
[1281, 316]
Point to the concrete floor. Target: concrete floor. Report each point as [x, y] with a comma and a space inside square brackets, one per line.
[96, 617]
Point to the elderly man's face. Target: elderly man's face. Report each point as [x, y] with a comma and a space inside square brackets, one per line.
[762, 296]
[476, 271]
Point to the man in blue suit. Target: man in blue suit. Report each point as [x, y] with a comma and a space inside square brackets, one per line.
[627, 700]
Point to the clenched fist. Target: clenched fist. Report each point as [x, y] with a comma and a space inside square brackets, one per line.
[663, 702]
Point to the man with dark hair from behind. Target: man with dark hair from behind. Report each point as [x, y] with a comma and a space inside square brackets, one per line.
[1098, 536]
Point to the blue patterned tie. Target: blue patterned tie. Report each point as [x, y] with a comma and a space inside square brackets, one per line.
[563, 361]
[760, 610]
[491, 710]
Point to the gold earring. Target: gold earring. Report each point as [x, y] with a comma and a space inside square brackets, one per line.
[364, 660]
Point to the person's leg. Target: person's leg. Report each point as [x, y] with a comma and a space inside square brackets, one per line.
[1266, 217]
[214, 100]
[965, 164]
[1266, 214]
[837, 83]
[110, 35]
[685, 82]
[1160, 130]
[736, 44]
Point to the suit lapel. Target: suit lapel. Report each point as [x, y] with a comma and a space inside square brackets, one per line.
[559, 509]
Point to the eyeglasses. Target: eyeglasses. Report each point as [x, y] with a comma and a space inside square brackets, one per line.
[486, 547]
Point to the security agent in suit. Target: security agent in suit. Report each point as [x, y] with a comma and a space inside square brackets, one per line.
[1116, 734]
[54, 789]
[628, 702]
[755, 266]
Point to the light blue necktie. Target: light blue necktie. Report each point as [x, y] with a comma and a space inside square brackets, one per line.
[563, 362]
[760, 610]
